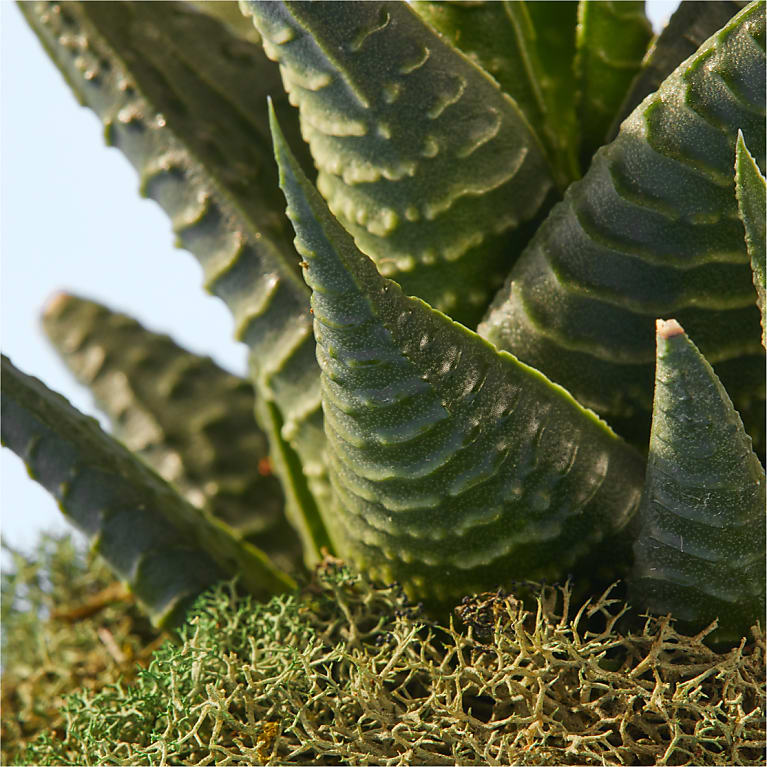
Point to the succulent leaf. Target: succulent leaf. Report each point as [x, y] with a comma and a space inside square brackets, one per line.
[455, 467]
[167, 82]
[228, 13]
[651, 229]
[751, 190]
[421, 156]
[700, 550]
[192, 421]
[166, 550]
[532, 63]
[611, 41]
[691, 24]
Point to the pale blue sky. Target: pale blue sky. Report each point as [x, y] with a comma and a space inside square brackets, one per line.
[71, 218]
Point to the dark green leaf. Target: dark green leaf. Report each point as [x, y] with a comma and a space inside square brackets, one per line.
[700, 550]
[421, 156]
[455, 468]
[166, 550]
[167, 82]
[501, 38]
[611, 41]
[190, 420]
[690, 26]
[651, 230]
[750, 189]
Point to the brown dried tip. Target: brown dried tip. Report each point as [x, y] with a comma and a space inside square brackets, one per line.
[56, 303]
[667, 328]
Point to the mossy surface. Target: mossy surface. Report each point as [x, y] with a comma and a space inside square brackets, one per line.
[67, 626]
[347, 672]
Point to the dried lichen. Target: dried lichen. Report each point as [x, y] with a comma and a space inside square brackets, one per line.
[349, 673]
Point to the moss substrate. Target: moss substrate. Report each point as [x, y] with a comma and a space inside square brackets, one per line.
[347, 672]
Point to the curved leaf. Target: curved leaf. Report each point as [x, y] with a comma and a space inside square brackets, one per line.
[612, 38]
[167, 82]
[651, 229]
[421, 156]
[455, 468]
[700, 550]
[529, 49]
[751, 190]
[166, 550]
[189, 419]
[693, 22]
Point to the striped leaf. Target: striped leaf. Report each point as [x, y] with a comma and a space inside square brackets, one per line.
[167, 82]
[162, 547]
[693, 22]
[190, 420]
[611, 42]
[700, 550]
[751, 190]
[528, 48]
[421, 156]
[455, 468]
[651, 230]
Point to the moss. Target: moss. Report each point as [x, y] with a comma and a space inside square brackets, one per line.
[347, 672]
[67, 625]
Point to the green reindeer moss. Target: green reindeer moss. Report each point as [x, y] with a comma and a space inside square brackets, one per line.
[347, 672]
[456, 379]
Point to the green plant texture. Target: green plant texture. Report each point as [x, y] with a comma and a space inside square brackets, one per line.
[446, 251]
[347, 672]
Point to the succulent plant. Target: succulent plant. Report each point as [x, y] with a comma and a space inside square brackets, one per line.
[458, 377]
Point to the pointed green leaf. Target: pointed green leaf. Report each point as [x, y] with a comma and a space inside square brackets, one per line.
[652, 229]
[455, 468]
[421, 156]
[166, 550]
[501, 38]
[689, 27]
[611, 41]
[700, 549]
[546, 32]
[185, 416]
[167, 82]
[751, 190]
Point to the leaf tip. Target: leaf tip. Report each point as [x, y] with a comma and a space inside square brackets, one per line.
[665, 329]
[56, 304]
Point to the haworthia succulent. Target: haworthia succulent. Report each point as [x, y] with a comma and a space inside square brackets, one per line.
[651, 229]
[700, 550]
[527, 48]
[167, 82]
[751, 190]
[420, 155]
[611, 41]
[164, 548]
[455, 468]
[190, 420]
[693, 22]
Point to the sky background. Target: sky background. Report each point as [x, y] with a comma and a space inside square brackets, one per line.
[71, 218]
